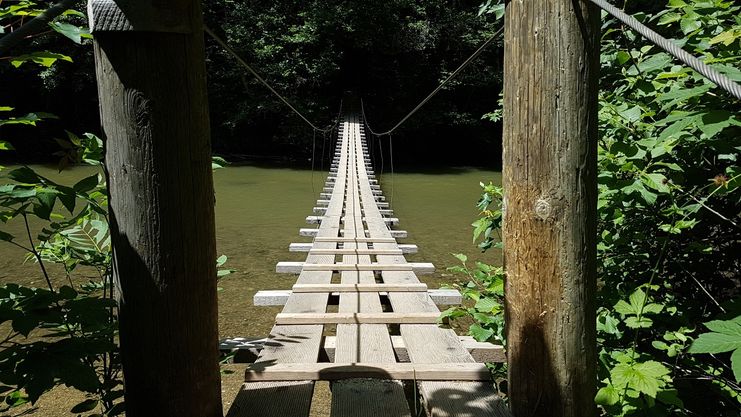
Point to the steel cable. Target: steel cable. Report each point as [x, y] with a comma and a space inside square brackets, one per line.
[708, 72]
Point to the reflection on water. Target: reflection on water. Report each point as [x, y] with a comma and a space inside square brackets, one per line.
[259, 211]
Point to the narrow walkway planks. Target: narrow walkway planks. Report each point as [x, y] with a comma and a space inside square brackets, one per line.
[354, 240]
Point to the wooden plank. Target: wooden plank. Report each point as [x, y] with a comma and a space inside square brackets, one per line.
[428, 343]
[295, 343]
[356, 318]
[398, 234]
[362, 342]
[336, 371]
[249, 348]
[289, 267]
[345, 251]
[441, 296]
[306, 247]
[355, 239]
[358, 287]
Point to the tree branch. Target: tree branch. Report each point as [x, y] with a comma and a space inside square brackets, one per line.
[34, 26]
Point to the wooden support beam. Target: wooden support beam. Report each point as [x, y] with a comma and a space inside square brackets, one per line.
[151, 77]
[466, 371]
[551, 66]
[356, 318]
[419, 268]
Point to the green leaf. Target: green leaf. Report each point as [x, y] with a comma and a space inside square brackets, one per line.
[86, 184]
[715, 343]
[736, 364]
[479, 333]
[643, 377]
[729, 327]
[71, 31]
[607, 396]
[486, 304]
[656, 181]
[44, 58]
[715, 121]
[24, 175]
[5, 146]
[461, 257]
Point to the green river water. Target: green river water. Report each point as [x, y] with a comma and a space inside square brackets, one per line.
[259, 211]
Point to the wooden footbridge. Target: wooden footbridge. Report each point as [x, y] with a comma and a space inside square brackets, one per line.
[380, 301]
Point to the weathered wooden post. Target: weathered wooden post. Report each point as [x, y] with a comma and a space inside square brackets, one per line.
[150, 67]
[551, 66]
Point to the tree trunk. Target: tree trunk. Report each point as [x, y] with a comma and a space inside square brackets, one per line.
[152, 87]
[551, 63]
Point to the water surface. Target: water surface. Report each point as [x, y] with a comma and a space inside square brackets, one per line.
[259, 211]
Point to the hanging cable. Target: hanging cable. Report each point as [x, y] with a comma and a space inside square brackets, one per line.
[708, 72]
[391, 157]
[262, 80]
[313, 148]
[438, 88]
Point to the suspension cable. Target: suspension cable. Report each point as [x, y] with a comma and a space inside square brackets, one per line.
[708, 72]
[437, 89]
[262, 80]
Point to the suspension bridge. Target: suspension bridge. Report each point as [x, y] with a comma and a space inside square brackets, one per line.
[150, 68]
[355, 261]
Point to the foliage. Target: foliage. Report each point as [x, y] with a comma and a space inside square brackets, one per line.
[668, 208]
[483, 286]
[725, 336]
[313, 51]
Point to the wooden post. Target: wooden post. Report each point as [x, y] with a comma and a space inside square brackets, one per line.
[551, 67]
[150, 67]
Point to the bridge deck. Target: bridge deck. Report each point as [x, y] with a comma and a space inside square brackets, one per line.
[355, 229]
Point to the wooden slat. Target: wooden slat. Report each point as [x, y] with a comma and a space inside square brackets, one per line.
[442, 296]
[336, 371]
[356, 318]
[362, 342]
[346, 251]
[355, 239]
[296, 267]
[359, 287]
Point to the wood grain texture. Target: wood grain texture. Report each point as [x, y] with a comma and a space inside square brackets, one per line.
[426, 342]
[163, 16]
[549, 179]
[158, 157]
[384, 370]
[362, 342]
[360, 287]
[356, 318]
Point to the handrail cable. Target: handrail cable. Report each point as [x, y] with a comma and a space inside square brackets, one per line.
[708, 72]
[437, 89]
[262, 80]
